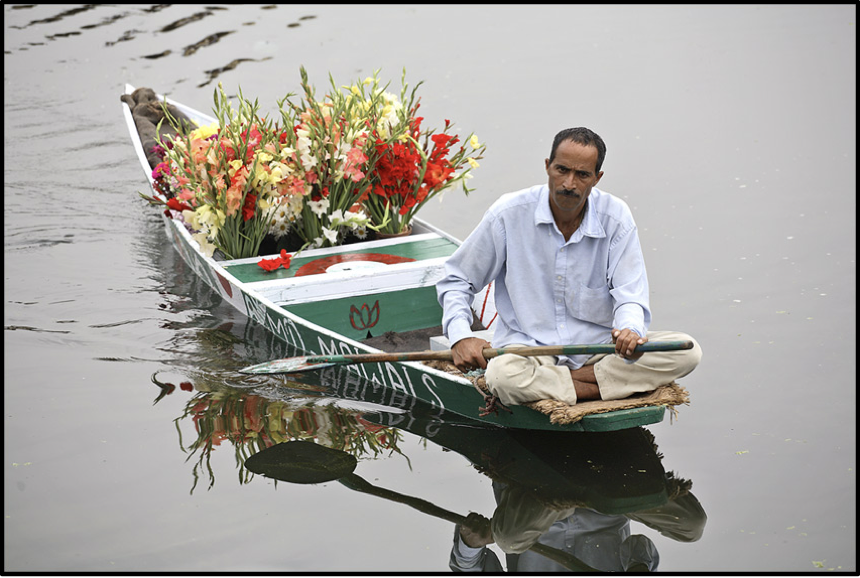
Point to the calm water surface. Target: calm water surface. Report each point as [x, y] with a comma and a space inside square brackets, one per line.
[731, 133]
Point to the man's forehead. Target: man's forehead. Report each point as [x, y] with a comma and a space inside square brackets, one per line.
[576, 156]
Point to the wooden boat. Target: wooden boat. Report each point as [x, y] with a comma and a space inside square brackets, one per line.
[351, 299]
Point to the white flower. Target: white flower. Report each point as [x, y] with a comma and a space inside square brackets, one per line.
[330, 234]
[294, 207]
[308, 161]
[280, 217]
[356, 217]
[280, 229]
[336, 218]
[360, 231]
[319, 208]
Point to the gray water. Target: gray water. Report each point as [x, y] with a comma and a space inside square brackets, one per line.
[730, 132]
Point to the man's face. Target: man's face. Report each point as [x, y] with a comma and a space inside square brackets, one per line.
[571, 176]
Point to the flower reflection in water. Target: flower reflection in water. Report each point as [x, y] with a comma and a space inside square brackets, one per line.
[251, 423]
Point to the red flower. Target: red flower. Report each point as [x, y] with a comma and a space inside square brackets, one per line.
[252, 139]
[254, 409]
[178, 205]
[441, 139]
[368, 426]
[272, 264]
[227, 148]
[186, 386]
[438, 174]
[250, 207]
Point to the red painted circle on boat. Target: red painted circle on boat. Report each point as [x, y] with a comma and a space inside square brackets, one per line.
[318, 266]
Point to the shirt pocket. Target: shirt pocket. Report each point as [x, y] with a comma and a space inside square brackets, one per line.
[592, 305]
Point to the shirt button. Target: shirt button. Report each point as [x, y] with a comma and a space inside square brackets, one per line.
[559, 277]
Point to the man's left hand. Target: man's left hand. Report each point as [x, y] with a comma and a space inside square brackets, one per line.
[626, 341]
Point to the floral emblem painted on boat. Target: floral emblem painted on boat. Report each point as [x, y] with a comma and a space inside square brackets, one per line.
[365, 317]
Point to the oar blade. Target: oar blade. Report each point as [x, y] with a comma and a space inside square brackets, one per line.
[288, 365]
[301, 462]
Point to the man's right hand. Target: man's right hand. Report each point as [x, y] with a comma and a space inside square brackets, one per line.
[475, 531]
[468, 354]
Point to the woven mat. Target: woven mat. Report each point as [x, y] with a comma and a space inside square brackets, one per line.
[669, 395]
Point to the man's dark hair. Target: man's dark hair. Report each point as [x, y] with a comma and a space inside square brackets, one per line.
[583, 136]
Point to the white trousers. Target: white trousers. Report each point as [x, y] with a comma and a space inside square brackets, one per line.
[516, 380]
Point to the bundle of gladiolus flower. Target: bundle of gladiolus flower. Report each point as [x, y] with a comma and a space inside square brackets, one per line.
[356, 161]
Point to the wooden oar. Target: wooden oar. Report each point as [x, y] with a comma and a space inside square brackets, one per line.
[311, 363]
[305, 462]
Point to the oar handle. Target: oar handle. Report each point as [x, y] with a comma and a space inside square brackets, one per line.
[300, 364]
[356, 482]
[490, 352]
[585, 349]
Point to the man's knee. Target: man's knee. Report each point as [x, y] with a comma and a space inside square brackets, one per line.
[689, 359]
[507, 369]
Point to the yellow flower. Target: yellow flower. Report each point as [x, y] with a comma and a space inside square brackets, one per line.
[205, 132]
[209, 218]
[205, 246]
[474, 142]
[235, 166]
[277, 174]
[190, 217]
[355, 90]
[473, 162]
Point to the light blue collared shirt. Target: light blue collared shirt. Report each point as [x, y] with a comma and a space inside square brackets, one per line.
[548, 291]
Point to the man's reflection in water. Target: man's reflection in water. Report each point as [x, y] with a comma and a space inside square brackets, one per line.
[602, 541]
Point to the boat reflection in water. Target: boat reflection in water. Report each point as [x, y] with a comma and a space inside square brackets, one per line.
[565, 500]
